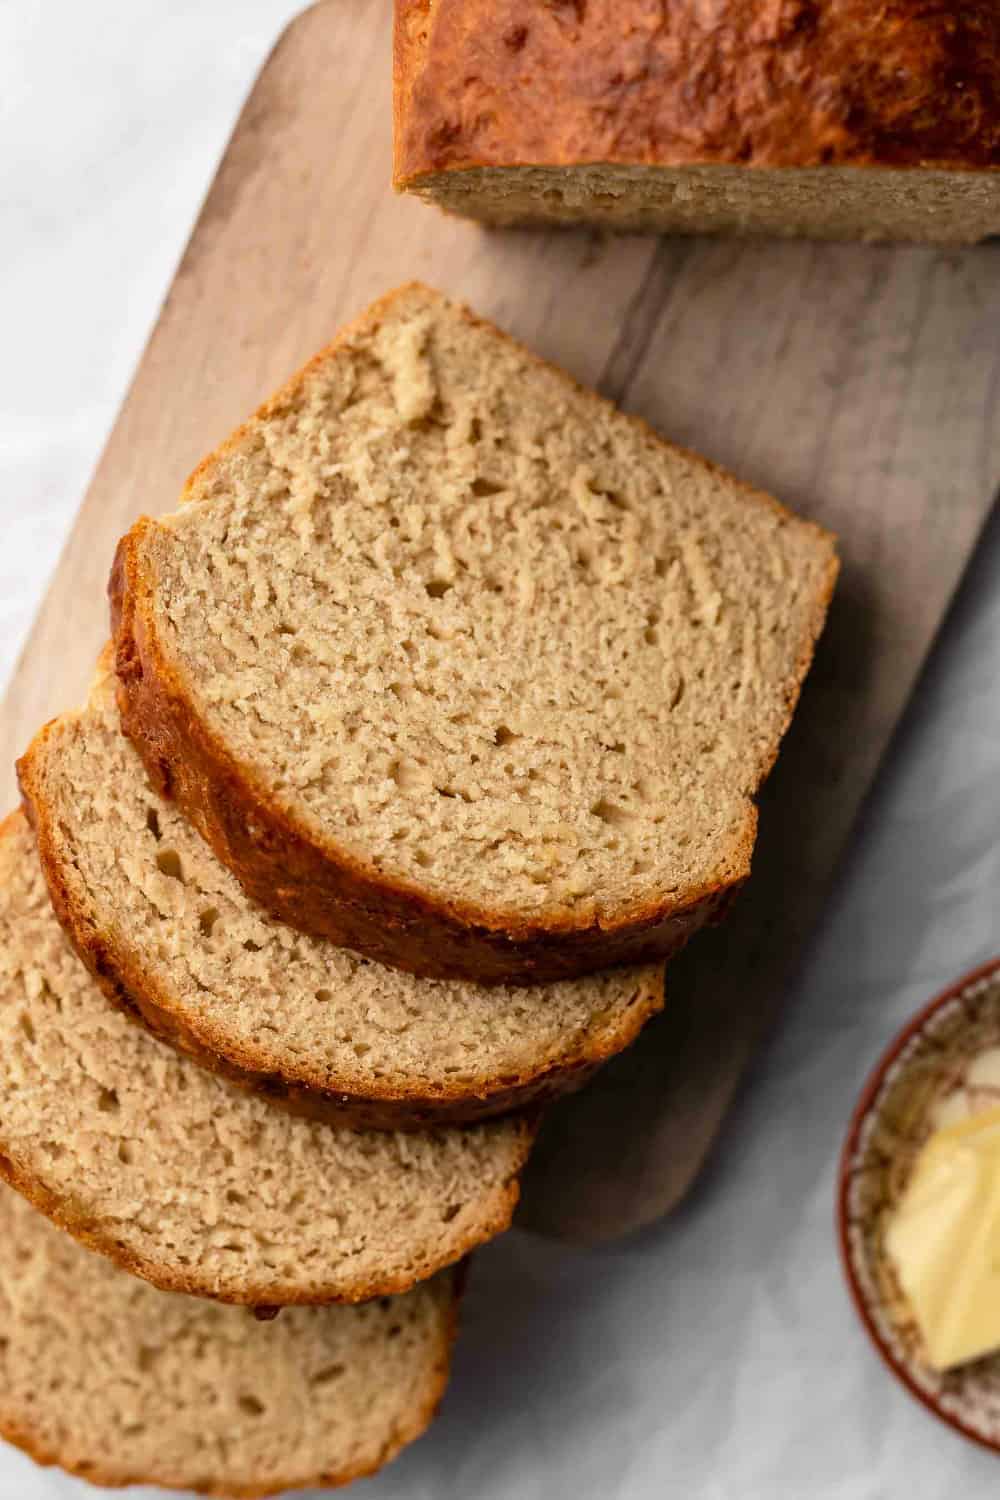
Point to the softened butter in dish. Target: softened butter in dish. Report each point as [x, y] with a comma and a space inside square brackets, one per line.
[944, 1240]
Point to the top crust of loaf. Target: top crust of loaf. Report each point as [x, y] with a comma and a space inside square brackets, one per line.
[742, 82]
[396, 385]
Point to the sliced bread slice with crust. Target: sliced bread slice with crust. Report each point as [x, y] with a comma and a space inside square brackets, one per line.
[168, 932]
[121, 1384]
[454, 664]
[199, 1186]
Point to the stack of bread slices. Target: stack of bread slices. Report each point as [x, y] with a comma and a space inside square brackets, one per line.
[431, 726]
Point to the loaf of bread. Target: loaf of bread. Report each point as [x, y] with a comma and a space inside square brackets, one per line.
[198, 1186]
[833, 118]
[454, 664]
[168, 933]
[123, 1385]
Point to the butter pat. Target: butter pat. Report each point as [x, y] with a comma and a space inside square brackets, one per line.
[944, 1241]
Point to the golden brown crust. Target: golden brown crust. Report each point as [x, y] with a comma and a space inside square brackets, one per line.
[99, 1472]
[323, 889]
[134, 991]
[801, 83]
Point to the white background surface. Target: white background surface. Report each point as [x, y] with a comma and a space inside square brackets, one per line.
[716, 1357]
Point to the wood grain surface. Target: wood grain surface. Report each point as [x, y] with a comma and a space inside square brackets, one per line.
[860, 385]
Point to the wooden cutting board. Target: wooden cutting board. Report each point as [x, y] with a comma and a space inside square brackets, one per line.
[859, 384]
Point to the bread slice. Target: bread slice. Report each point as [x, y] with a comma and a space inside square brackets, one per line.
[196, 1185]
[168, 932]
[454, 664]
[838, 119]
[122, 1384]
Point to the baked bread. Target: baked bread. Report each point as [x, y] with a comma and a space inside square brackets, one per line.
[122, 1384]
[833, 118]
[454, 664]
[198, 1186]
[168, 932]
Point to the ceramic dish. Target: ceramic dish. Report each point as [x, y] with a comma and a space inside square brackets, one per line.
[945, 1064]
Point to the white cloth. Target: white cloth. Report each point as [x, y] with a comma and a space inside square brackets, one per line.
[716, 1356]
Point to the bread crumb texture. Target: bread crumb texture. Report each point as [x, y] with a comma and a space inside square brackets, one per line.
[874, 204]
[195, 1184]
[122, 1384]
[483, 635]
[149, 905]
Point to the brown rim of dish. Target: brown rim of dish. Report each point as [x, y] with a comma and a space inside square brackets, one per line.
[862, 1109]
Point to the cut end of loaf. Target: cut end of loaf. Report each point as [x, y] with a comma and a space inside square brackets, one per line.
[924, 206]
